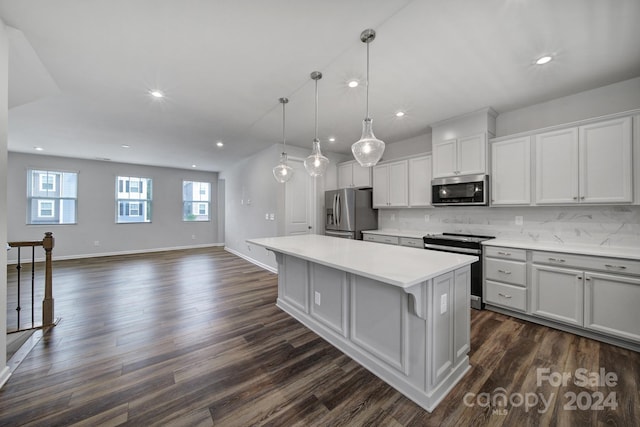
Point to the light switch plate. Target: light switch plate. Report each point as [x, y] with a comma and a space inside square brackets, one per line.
[443, 303]
[519, 220]
[316, 298]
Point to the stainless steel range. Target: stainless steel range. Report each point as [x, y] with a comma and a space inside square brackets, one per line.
[462, 244]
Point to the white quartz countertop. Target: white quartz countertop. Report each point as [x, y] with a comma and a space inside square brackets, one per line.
[399, 233]
[593, 250]
[396, 265]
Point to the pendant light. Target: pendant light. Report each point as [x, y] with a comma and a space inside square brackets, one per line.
[283, 172]
[368, 150]
[316, 164]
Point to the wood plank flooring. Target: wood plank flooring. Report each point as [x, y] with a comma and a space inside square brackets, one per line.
[193, 338]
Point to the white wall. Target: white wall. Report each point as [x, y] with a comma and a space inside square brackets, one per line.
[4, 99]
[96, 209]
[614, 98]
[408, 147]
[252, 179]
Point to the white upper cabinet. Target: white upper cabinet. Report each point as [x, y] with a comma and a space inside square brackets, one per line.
[390, 185]
[605, 162]
[420, 182]
[461, 156]
[586, 164]
[351, 174]
[511, 172]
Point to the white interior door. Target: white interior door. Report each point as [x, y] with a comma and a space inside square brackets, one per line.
[299, 200]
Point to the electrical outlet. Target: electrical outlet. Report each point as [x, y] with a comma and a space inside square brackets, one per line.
[96, 243]
[193, 237]
[427, 218]
[266, 216]
[316, 298]
[443, 303]
[393, 217]
[519, 220]
[272, 216]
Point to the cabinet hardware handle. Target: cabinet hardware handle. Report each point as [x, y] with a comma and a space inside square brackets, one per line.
[621, 267]
[582, 198]
[579, 277]
[587, 278]
[504, 253]
[504, 271]
[575, 198]
[504, 295]
[556, 260]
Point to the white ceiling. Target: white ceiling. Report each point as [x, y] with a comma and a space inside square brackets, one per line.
[80, 71]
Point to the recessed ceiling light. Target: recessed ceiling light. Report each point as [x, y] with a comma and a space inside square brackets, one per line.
[157, 94]
[193, 166]
[400, 114]
[125, 146]
[332, 139]
[220, 144]
[353, 83]
[38, 148]
[544, 60]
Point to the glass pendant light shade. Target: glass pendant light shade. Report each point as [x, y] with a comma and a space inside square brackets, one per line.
[283, 172]
[369, 149]
[316, 164]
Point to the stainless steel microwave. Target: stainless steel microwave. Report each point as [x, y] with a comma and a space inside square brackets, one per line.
[466, 190]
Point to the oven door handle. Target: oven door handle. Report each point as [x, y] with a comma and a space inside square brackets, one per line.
[453, 249]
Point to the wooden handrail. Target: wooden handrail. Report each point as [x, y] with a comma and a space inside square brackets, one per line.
[47, 303]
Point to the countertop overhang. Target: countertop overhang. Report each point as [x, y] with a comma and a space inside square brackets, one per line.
[396, 265]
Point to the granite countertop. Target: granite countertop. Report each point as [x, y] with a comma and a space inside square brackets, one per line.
[396, 265]
[579, 249]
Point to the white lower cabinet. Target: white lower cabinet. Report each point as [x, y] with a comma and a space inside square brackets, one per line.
[611, 305]
[557, 294]
[594, 296]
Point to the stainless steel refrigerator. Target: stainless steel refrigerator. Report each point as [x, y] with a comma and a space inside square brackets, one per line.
[348, 211]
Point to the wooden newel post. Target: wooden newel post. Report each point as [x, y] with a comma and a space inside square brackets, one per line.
[47, 302]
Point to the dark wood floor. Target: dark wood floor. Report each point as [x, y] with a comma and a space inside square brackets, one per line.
[193, 337]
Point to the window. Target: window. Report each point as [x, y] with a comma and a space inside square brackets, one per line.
[196, 197]
[133, 199]
[51, 197]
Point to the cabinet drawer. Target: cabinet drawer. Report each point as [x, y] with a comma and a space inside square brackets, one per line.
[502, 270]
[591, 263]
[391, 240]
[506, 253]
[413, 242]
[506, 295]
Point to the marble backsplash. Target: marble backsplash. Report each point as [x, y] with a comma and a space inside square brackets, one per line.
[607, 226]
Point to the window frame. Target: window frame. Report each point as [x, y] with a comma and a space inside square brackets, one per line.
[57, 194]
[199, 197]
[135, 195]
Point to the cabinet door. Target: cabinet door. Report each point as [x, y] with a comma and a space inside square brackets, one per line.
[606, 161]
[381, 186]
[420, 181]
[511, 172]
[345, 176]
[445, 158]
[611, 305]
[472, 155]
[557, 294]
[557, 167]
[398, 184]
[361, 176]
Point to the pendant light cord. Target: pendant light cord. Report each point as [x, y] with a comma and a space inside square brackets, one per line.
[316, 137]
[367, 80]
[284, 141]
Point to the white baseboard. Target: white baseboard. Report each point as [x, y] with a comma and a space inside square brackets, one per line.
[132, 252]
[4, 375]
[274, 270]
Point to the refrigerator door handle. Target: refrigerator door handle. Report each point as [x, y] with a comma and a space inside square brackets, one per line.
[338, 207]
[335, 213]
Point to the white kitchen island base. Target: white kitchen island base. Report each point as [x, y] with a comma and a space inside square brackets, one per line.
[413, 333]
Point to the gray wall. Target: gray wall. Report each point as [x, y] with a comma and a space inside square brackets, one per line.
[252, 179]
[4, 99]
[96, 209]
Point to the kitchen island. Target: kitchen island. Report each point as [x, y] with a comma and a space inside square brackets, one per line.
[400, 312]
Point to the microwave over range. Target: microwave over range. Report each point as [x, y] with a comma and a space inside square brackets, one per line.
[466, 190]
